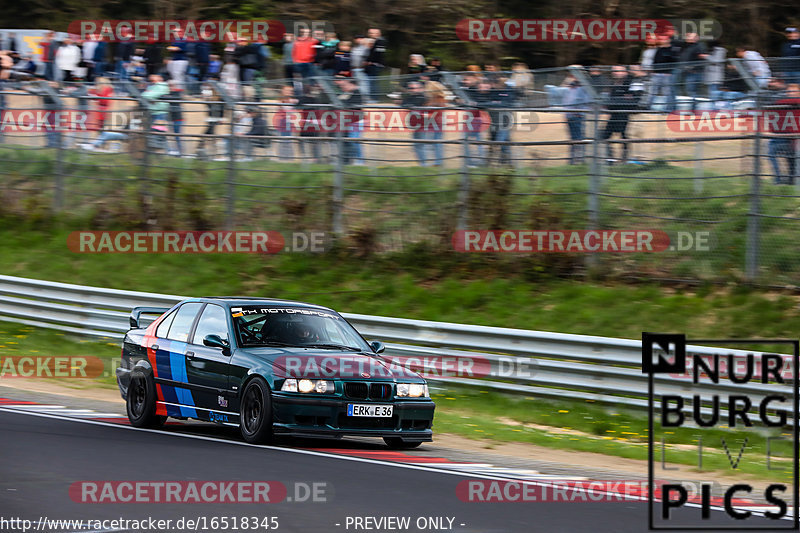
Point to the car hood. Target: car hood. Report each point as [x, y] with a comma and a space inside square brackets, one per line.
[330, 364]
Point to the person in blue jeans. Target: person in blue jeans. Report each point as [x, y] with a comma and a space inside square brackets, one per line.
[351, 101]
[783, 145]
[576, 98]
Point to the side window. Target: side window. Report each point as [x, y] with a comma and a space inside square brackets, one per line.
[183, 321]
[213, 321]
[163, 327]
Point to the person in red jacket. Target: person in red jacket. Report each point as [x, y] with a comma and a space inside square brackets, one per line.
[303, 53]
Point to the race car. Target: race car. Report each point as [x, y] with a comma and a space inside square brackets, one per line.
[270, 367]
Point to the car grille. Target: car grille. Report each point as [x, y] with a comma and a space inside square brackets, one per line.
[359, 390]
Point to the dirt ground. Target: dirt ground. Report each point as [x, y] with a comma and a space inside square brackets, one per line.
[728, 157]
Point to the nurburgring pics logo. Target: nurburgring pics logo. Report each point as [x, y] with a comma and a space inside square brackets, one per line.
[756, 416]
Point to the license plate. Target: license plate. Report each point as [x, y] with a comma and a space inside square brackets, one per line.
[376, 411]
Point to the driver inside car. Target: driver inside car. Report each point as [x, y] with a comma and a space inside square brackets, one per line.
[301, 333]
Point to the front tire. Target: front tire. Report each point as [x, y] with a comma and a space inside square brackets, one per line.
[141, 402]
[396, 443]
[255, 412]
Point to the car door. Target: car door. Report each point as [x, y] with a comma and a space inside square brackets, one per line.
[171, 362]
[207, 367]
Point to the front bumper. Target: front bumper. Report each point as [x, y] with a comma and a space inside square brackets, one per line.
[327, 417]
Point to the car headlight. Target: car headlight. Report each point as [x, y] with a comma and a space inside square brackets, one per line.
[320, 386]
[412, 390]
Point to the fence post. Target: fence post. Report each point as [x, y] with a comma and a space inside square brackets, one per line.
[230, 175]
[698, 167]
[57, 135]
[753, 221]
[594, 167]
[337, 193]
[147, 123]
[462, 217]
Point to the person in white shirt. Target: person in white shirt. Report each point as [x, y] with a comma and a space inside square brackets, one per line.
[755, 64]
[358, 55]
[67, 58]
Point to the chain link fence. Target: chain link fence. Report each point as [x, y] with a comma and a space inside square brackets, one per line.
[410, 160]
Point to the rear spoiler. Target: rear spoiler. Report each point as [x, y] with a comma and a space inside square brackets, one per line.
[138, 311]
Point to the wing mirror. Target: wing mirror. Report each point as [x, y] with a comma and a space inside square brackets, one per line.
[215, 341]
[377, 346]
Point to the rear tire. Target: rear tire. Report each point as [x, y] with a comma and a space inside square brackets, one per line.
[255, 412]
[141, 402]
[396, 443]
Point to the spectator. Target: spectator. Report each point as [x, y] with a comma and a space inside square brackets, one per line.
[556, 93]
[503, 96]
[649, 52]
[216, 112]
[102, 89]
[229, 77]
[67, 58]
[123, 55]
[481, 97]
[152, 59]
[621, 102]
[304, 53]
[662, 80]
[342, 60]
[784, 143]
[243, 123]
[288, 62]
[175, 96]
[133, 124]
[375, 62]
[310, 105]
[49, 47]
[283, 122]
[258, 131]
[247, 57]
[155, 94]
[414, 99]
[790, 56]
[358, 57]
[87, 53]
[715, 70]
[755, 64]
[214, 67]
[435, 97]
[178, 62]
[522, 78]
[202, 59]
[693, 52]
[734, 88]
[575, 99]
[351, 100]
[325, 56]
[99, 58]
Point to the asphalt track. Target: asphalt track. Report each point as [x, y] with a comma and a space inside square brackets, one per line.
[43, 455]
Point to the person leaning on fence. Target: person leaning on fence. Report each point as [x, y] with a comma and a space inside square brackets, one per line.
[436, 100]
[662, 85]
[755, 64]
[621, 101]
[175, 96]
[576, 99]
[283, 122]
[257, 135]
[310, 107]
[715, 71]
[785, 143]
[216, 111]
[413, 100]
[351, 100]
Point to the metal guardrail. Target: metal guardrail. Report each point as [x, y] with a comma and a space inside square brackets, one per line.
[551, 365]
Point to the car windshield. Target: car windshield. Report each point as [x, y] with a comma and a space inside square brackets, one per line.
[293, 327]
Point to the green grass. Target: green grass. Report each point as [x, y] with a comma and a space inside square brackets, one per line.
[487, 416]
